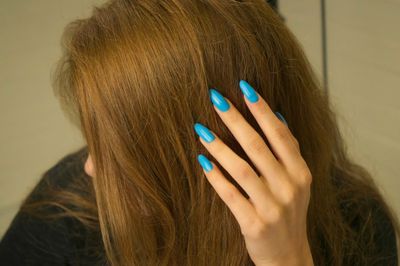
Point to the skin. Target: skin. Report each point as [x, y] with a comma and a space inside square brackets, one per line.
[89, 169]
[273, 219]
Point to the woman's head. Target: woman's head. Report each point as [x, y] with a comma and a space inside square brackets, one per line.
[135, 76]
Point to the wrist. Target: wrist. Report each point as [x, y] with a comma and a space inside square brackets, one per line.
[304, 259]
[290, 262]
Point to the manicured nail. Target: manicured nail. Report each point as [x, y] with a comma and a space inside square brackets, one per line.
[248, 91]
[204, 132]
[204, 162]
[218, 100]
[281, 117]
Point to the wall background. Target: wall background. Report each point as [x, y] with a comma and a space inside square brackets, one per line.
[364, 79]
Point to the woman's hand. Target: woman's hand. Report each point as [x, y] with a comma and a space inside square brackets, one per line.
[273, 220]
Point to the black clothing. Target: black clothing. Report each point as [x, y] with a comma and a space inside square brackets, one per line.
[273, 4]
[65, 241]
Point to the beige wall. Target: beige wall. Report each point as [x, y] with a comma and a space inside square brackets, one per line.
[34, 132]
[364, 77]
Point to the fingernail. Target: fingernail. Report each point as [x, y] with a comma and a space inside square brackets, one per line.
[218, 100]
[204, 162]
[204, 132]
[248, 91]
[281, 117]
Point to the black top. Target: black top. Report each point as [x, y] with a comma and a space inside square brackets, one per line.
[65, 241]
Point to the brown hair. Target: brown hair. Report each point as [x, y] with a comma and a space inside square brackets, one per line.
[135, 77]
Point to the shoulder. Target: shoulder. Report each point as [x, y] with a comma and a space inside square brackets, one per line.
[372, 222]
[35, 239]
[382, 235]
[61, 175]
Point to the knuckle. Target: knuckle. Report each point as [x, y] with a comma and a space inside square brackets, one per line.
[229, 195]
[245, 170]
[275, 215]
[305, 176]
[290, 195]
[258, 229]
[256, 144]
[296, 142]
[281, 132]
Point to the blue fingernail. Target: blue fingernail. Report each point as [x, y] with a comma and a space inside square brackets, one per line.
[281, 117]
[218, 100]
[248, 91]
[204, 132]
[204, 162]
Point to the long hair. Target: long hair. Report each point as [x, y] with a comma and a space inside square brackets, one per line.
[135, 76]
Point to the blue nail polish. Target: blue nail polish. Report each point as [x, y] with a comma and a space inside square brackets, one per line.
[204, 132]
[218, 100]
[204, 162]
[281, 117]
[248, 91]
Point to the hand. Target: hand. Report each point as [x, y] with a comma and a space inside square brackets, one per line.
[273, 219]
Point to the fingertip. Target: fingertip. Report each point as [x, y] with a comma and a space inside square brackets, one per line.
[205, 163]
[280, 116]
